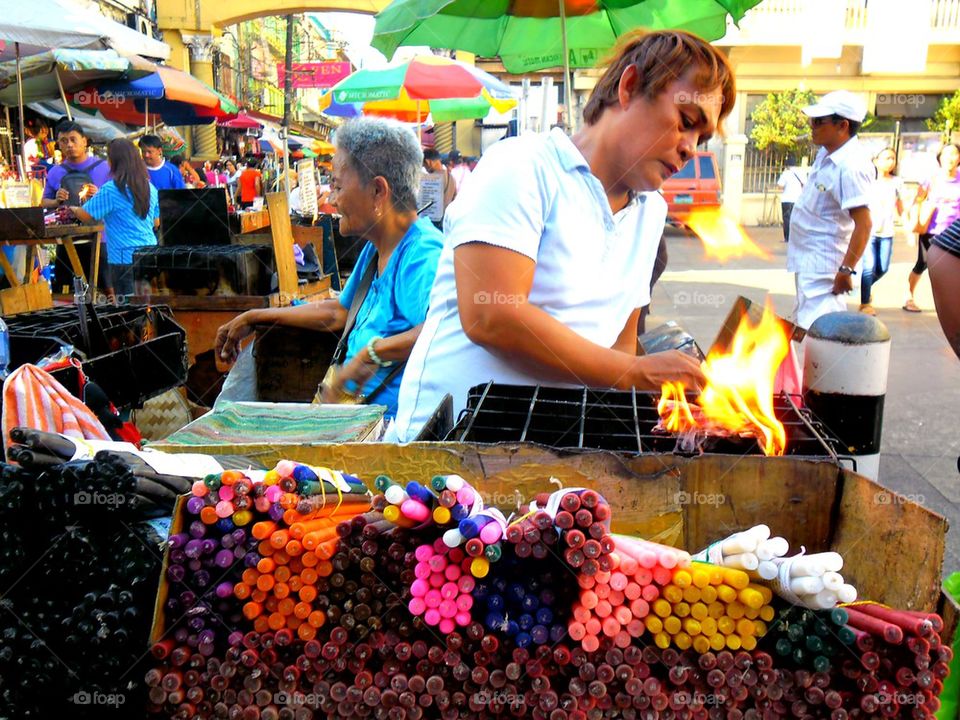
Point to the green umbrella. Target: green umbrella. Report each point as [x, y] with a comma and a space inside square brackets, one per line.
[533, 35]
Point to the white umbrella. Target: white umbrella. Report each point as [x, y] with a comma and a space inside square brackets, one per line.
[34, 26]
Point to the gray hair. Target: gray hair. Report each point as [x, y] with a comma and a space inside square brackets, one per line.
[380, 147]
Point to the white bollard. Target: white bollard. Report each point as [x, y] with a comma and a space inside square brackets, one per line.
[846, 361]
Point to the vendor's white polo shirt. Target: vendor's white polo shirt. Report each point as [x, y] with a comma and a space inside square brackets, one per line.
[534, 195]
[820, 225]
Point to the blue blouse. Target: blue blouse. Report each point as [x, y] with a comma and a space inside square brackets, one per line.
[396, 301]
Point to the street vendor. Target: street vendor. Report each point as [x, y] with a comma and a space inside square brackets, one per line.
[551, 243]
[79, 170]
[375, 185]
[77, 178]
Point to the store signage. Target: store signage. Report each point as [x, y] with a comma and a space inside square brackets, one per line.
[314, 74]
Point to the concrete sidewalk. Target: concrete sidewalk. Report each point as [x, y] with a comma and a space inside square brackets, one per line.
[921, 437]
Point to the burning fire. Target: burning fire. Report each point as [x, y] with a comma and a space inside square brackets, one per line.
[738, 397]
[85, 192]
[723, 238]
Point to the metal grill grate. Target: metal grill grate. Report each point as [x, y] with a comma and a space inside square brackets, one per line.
[622, 421]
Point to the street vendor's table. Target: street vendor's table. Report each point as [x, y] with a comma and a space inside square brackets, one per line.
[24, 295]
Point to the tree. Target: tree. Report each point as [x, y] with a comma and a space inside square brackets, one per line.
[947, 117]
[779, 122]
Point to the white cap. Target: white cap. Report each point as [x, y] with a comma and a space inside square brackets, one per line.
[840, 102]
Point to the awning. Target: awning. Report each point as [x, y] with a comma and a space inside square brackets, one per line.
[77, 68]
[95, 127]
[41, 25]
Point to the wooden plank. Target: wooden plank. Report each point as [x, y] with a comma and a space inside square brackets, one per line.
[889, 545]
[25, 298]
[722, 494]
[251, 221]
[95, 273]
[74, 259]
[9, 271]
[75, 231]
[283, 245]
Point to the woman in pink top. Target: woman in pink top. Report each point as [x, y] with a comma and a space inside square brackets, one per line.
[943, 191]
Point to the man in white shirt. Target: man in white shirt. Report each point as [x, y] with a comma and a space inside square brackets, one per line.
[790, 183]
[830, 224]
[551, 243]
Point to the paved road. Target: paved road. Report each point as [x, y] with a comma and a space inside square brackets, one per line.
[921, 436]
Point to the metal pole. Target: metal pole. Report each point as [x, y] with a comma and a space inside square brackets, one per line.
[566, 68]
[63, 95]
[23, 132]
[287, 103]
[6, 113]
[420, 126]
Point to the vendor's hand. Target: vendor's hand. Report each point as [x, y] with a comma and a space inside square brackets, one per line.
[842, 283]
[62, 195]
[359, 370]
[652, 371]
[227, 345]
[90, 190]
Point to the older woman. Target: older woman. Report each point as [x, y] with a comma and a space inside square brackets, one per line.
[376, 177]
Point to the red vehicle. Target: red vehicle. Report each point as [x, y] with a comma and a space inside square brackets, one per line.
[697, 184]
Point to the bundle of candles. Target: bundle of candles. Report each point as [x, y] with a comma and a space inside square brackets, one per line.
[104, 481]
[813, 581]
[295, 594]
[78, 582]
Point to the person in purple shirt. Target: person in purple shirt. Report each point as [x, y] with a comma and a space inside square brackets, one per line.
[78, 169]
[163, 175]
[78, 172]
[943, 192]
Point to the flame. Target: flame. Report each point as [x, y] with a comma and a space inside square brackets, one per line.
[84, 192]
[738, 397]
[723, 237]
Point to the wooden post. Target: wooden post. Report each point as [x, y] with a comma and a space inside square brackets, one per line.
[282, 233]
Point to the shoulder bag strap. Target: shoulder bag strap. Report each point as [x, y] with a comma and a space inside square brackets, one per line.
[367, 399]
[358, 297]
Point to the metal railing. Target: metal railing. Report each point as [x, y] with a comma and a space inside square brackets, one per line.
[762, 168]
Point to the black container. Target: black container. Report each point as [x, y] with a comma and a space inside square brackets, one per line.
[623, 421]
[222, 271]
[132, 352]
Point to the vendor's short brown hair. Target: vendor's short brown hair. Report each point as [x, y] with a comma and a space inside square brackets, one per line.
[662, 57]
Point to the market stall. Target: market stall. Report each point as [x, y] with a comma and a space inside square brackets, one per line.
[25, 227]
[208, 275]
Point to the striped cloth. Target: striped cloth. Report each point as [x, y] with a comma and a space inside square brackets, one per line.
[949, 239]
[33, 398]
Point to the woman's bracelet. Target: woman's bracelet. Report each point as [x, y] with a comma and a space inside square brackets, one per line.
[372, 353]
